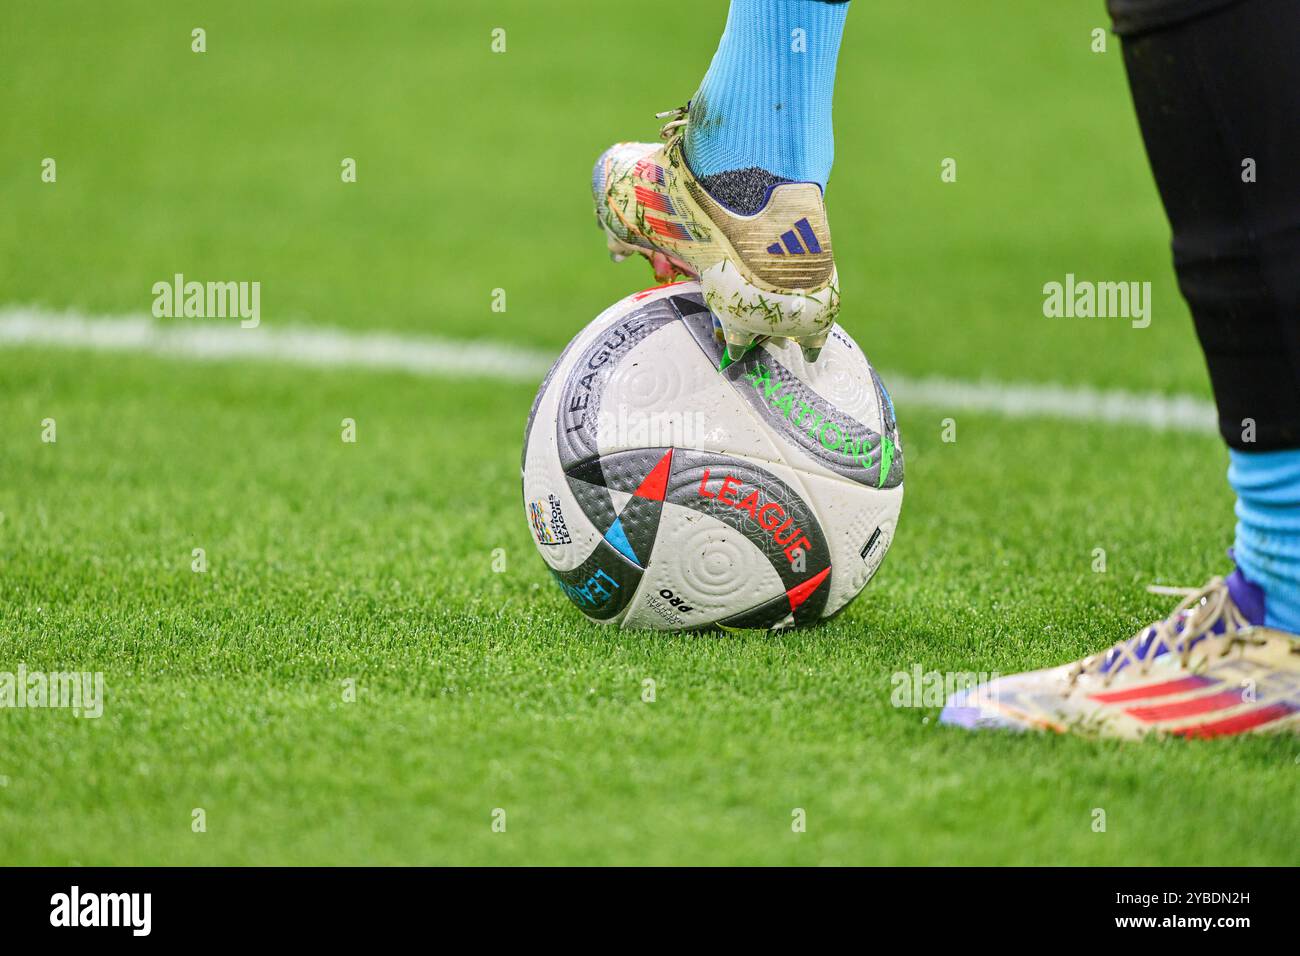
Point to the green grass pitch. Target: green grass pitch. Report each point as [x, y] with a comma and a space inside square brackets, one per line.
[371, 565]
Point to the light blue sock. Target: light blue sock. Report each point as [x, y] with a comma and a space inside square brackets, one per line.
[765, 102]
[1267, 549]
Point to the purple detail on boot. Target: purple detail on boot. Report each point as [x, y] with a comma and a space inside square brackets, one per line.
[965, 709]
[1248, 596]
[1142, 646]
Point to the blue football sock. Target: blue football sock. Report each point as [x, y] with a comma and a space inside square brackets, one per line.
[1267, 549]
[764, 106]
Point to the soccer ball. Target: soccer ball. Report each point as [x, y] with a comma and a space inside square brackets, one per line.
[670, 488]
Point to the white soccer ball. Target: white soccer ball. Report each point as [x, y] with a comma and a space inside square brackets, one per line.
[665, 492]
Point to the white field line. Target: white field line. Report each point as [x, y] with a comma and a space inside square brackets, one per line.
[300, 345]
[323, 347]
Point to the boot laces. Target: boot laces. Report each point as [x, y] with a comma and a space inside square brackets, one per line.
[677, 118]
[1199, 612]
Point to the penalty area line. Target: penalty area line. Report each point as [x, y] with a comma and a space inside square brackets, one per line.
[427, 355]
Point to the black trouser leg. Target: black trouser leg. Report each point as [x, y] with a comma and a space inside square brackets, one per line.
[1216, 84]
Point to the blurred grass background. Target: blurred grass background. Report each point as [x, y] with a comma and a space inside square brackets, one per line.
[473, 169]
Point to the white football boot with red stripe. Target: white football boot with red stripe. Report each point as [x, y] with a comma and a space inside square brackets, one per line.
[1207, 670]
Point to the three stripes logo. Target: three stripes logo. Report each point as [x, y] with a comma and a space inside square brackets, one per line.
[651, 199]
[792, 244]
[654, 200]
[669, 229]
[1200, 706]
[650, 172]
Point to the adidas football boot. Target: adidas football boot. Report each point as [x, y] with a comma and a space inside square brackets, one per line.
[1207, 670]
[766, 275]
